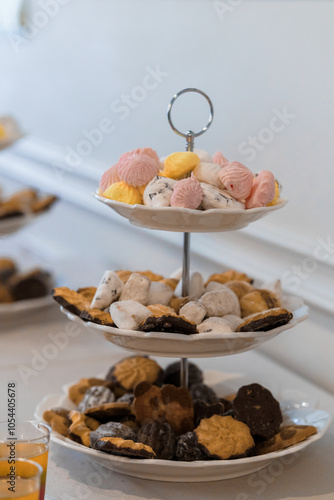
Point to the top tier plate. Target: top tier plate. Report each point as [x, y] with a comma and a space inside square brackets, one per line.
[186, 220]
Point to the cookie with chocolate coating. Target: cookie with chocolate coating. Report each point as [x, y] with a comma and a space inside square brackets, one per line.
[96, 396]
[266, 320]
[205, 410]
[160, 437]
[112, 429]
[288, 435]
[240, 288]
[97, 316]
[109, 411]
[82, 426]
[230, 275]
[203, 392]
[173, 374]
[71, 301]
[76, 392]
[124, 447]
[188, 449]
[168, 324]
[257, 301]
[58, 419]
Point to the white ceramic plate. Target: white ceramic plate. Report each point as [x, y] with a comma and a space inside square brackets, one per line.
[10, 311]
[200, 345]
[213, 470]
[186, 219]
[13, 224]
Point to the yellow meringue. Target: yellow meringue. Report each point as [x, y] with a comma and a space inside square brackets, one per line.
[276, 196]
[120, 191]
[177, 165]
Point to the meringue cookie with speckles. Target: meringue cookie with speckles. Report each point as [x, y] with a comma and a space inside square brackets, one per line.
[237, 179]
[214, 325]
[221, 302]
[120, 191]
[137, 170]
[109, 177]
[217, 198]
[193, 311]
[209, 173]
[158, 192]
[129, 314]
[263, 190]
[219, 159]
[109, 289]
[187, 193]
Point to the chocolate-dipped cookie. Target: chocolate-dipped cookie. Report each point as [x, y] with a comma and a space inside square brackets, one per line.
[168, 324]
[266, 320]
[7, 269]
[98, 317]
[288, 435]
[71, 301]
[187, 448]
[124, 448]
[95, 396]
[205, 410]
[160, 437]
[77, 391]
[31, 285]
[258, 409]
[109, 411]
[203, 392]
[112, 429]
[173, 374]
[257, 301]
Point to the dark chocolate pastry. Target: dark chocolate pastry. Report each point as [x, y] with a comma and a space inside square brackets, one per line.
[256, 407]
[112, 429]
[96, 396]
[266, 320]
[168, 324]
[124, 447]
[288, 435]
[160, 438]
[31, 285]
[204, 410]
[172, 374]
[7, 269]
[203, 392]
[187, 448]
[5, 295]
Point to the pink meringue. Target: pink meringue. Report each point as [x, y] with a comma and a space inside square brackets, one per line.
[143, 151]
[109, 177]
[137, 170]
[263, 190]
[188, 193]
[237, 179]
[219, 159]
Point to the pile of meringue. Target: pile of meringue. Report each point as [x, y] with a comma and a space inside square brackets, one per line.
[192, 180]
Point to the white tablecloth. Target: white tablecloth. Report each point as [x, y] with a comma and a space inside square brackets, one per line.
[24, 349]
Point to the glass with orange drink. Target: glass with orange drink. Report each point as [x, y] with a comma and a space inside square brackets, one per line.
[19, 479]
[31, 442]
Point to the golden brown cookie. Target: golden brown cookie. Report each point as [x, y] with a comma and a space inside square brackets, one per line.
[59, 421]
[288, 435]
[88, 292]
[169, 324]
[266, 320]
[230, 275]
[108, 411]
[160, 310]
[25, 196]
[151, 275]
[42, 204]
[128, 372]
[177, 302]
[11, 209]
[5, 295]
[82, 426]
[98, 317]
[124, 275]
[70, 300]
[172, 282]
[240, 288]
[124, 447]
[7, 269]
[223, 437]
[257, 301]
[77, 391]
[170, 404]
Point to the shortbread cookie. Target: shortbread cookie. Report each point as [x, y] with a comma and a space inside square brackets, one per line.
[112, 429]
[221, 302]
[230, 275]
[223, 437]
[98, 317]
[257, 301]
[160, 437]
[95, 396]
[193, 311]
[109, 290]
[58, 419]
[88, 292]
[288, 435]
[71, 301]
[42, 204]
[256, 407]
[136, 288]
[128, 372]
[129, 314]
[82, 426]
[124, 447]
[31, 285]
[240, 288]
[266, 320]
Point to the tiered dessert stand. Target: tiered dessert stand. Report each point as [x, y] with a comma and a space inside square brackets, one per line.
[184, 346]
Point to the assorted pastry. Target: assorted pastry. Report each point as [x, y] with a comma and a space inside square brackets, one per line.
[26, 201]
[145, 301]
[16, 285]
[194, 180]
[139, 411]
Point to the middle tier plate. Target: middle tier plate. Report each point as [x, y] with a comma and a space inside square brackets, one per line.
[187, 220]
[200, 345]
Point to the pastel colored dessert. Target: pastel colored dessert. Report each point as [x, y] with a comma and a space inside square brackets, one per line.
[237, 179]
[137, 170]
[178, 165]
[143, 151]
[109, 177]
[187, 193]
[219, 159]
[263, 190]
[217, 198]
[209, 173]
[120, 191]
[159, 191]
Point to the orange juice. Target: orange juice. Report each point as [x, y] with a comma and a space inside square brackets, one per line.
[25, 489]
[37, 452]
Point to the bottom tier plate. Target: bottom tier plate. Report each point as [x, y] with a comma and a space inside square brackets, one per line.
[13, 224]
[295, 410]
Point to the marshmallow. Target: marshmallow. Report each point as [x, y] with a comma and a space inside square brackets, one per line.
[214, 325]
[193, 311]
[216, 198]
[129, 314]
[203, 155]
[196, 286]
[108, 291]
[136, 288]
[209, 173]
[212, 286]
[159, 294]
[221, 302]
[159, 191]
[234, 321]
